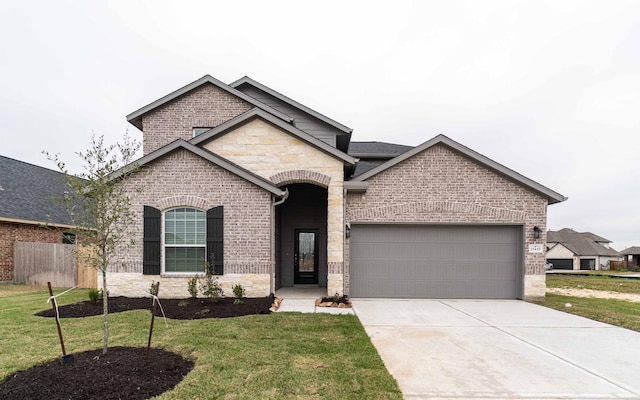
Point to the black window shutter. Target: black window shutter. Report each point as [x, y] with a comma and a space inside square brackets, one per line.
[151, 241]
[215, 234]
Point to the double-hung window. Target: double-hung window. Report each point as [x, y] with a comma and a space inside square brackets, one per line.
[185, 240]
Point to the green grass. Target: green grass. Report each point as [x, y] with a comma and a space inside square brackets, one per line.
[608, 283]
[283, 355]
[615, 312]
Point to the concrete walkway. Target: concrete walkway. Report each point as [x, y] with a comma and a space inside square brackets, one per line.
[303, 299]
[465, 349]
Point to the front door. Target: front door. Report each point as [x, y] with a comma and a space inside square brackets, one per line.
[305, 261]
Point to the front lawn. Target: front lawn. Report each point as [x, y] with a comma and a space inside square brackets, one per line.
[283, 355]
[615, 312]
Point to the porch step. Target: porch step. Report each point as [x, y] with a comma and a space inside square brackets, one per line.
[303, 299]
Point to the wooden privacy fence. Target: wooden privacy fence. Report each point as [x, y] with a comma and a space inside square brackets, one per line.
[39, 263]
[616, 265]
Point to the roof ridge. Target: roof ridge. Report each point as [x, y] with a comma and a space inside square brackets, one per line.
[32, 165]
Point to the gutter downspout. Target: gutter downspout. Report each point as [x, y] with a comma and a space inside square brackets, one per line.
[274, 203]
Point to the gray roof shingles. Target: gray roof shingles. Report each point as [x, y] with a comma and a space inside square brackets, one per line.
[631, 251]
[376, 148]
[28, 192]
[373, 154]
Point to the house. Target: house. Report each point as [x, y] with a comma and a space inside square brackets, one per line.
[631, 257]
[28, 212]
[568, 249]
[275, 194]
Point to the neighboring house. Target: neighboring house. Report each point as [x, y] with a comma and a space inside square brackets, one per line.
[26, 206]
[631, 257]
[275, 194]
[568, 249]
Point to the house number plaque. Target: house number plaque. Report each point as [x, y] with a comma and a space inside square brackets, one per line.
[536, 248]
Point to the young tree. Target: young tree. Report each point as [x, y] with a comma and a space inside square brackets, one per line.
[100, 207]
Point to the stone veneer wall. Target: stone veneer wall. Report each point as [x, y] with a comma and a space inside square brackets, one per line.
[442, 186]
[183, 179]
[269, 152]
[11, 232]
[205, 106]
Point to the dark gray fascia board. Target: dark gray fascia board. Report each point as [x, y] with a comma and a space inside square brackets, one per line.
[292, 102]
[135, 118]
[356, 187]
[552, 196]
[241, 119]
[207, 155]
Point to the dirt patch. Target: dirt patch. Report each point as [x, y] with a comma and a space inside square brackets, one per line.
[11, 289]
[123, 373]
[173, 308]
[601, 294]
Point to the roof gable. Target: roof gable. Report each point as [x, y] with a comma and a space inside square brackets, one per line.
[552, 196]
[207, 155]
[254, 113]
[135, 117]
[248, 81]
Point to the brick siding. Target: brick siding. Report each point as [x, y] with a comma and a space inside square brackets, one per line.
[183, 179]
[11, 232]
[205, 106]
[441, 186]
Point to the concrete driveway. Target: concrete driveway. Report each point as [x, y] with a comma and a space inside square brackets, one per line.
[461, 349]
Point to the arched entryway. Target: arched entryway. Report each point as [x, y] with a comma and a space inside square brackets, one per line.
[301, 236]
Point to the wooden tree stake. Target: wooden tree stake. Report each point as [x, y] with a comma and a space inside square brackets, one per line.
[153, 317]
[55, 314]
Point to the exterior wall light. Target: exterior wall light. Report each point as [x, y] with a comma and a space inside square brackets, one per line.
[347, 230]
[536, 232]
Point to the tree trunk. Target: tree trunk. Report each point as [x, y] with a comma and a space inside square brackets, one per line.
[105, 313]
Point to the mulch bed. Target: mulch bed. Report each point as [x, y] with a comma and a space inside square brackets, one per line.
[173, 308]
[124, 372]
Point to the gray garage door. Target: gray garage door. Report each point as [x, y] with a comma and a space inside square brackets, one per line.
[436, 261]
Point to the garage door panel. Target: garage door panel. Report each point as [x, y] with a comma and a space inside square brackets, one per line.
[435, 261]
[412, 269]
[437, 251]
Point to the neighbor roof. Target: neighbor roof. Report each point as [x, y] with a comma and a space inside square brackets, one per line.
[207, 155]
[581, 243]
[248, 81]
[136, 117]
[552, 196]
[28, 194]
[631, 251]
[292, 130]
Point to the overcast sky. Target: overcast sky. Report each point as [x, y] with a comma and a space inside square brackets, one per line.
[551, 89]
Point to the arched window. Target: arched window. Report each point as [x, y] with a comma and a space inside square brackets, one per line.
[185, 240]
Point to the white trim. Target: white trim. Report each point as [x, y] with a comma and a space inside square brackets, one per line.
[163, 245]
